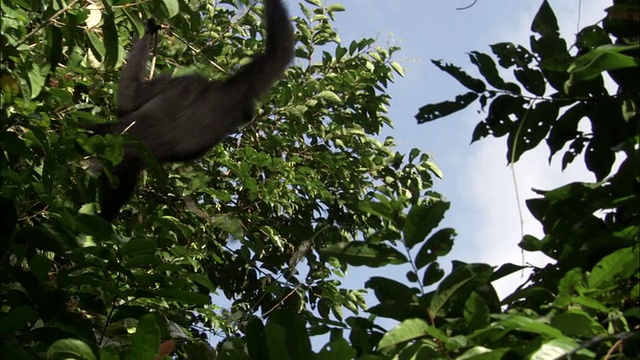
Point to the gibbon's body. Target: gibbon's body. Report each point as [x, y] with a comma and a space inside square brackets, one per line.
[180, 118]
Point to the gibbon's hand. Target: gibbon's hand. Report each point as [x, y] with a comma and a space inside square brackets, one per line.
[151, 27]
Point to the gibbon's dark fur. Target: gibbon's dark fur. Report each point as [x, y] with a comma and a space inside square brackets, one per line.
[179, 119]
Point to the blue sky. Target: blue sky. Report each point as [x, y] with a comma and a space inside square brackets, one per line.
[477, 181]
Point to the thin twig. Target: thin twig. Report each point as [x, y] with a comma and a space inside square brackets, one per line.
[39, 27]
[197, 52]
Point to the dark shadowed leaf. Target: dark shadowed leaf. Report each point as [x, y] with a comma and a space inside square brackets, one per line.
[432, 274]
[432, 112]
[488, 69]
[532, 127]
[439, 244]
[110, 36]
[359, 253]
[145, 341]
[70, 349]
[463, 78]
[545, 22]
[566, 128]
[421, 220]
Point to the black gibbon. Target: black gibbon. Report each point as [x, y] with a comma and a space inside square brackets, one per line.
[179, 119]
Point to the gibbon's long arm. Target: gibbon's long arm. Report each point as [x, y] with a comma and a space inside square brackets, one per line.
[179, 119]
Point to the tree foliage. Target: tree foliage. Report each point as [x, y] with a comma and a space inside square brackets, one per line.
[240, 255]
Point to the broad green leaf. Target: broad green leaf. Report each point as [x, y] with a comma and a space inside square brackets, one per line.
[603, 58]
[53, 46]
[145, 341]
[111, 41]
[335, 7]
[70, 349]
[421, 220]
[618, 266]
[576, 323]
[409, 330]
[476, 312]
[377, 208]
[558, 348]
[36, 80]
[522, 323]
[483, 353]
[172, 7]
[463, 78]
[461, 276]
[432, 112]
[397, 67]
[360, 253]
[329, 96]
[256, 340]
[139, 247]
[97, 46]
[276, 341]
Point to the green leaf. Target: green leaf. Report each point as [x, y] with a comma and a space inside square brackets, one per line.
[335, 7]
[70, 349]
[618, 266]
[97, 46]
[330, 96]
[111, 42]
[483, 353]
[139, 247]
[36, 80]
[276, 341]
[172, 7]
[575, 323]
[522, 323]
[602, 58]
[256, 340]
[409, 330]
[183, 296]
[145, 341]
[432, 112]
[94, 225]
[397, 67]
[421, 220]
[360, 253]
[463, 78]
[377, 208]
[559, 348]
[476, 312]
[463, 277]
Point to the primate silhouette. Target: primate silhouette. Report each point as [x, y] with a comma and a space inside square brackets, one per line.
[180, 118]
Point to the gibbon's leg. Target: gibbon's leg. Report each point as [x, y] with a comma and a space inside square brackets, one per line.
[112, 199]
[132, 79]
[133, 85]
